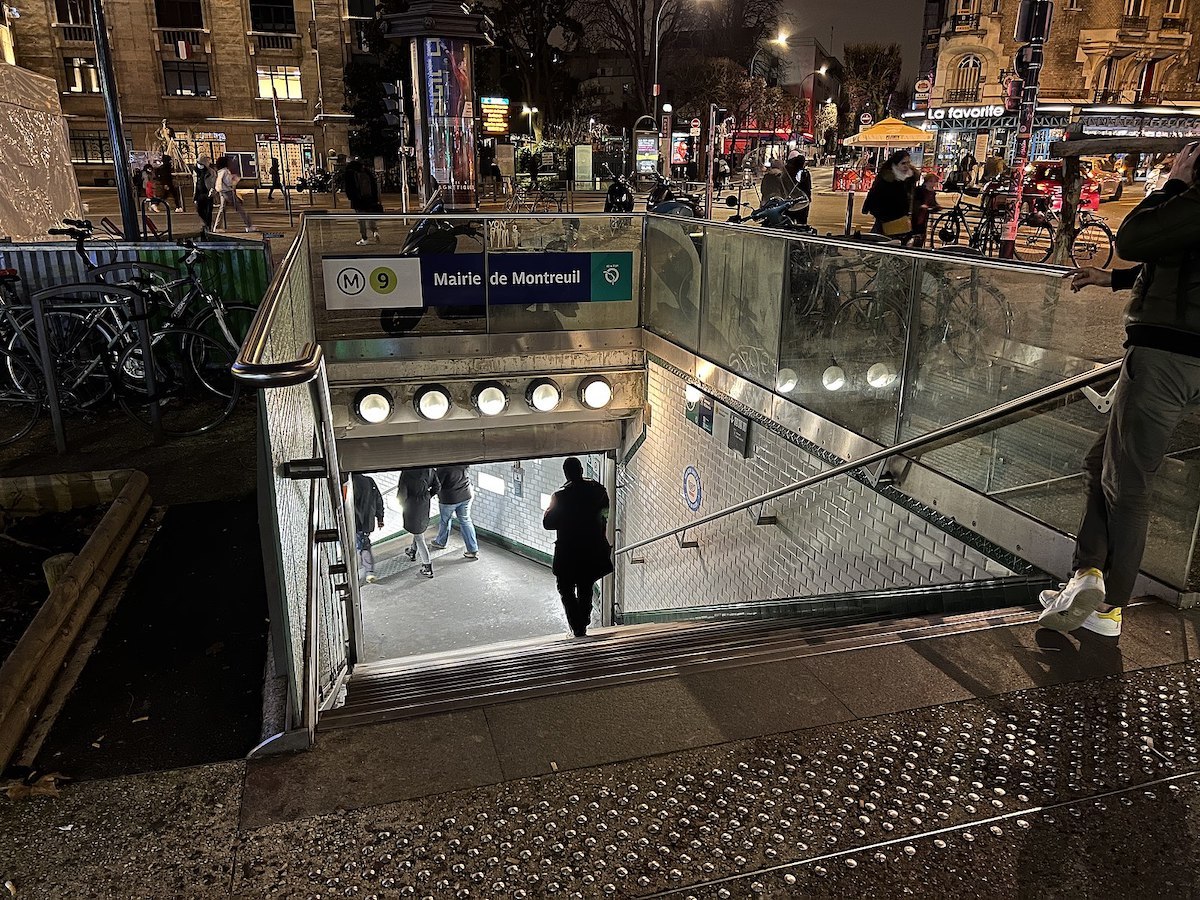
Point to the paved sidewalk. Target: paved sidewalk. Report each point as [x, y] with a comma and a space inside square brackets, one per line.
[1000, 762]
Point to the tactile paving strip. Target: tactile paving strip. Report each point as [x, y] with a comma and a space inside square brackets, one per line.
[727, 821]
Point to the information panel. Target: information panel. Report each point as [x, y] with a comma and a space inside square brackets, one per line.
[461, 279]
[495, 114]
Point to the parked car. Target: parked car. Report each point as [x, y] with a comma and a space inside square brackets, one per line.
[1105, 173]
[1157, 176]
[1043, 179]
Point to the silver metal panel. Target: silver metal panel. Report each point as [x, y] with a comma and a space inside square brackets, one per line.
[485, 346]
[477, 446]
[1040, 544]
[428, 366]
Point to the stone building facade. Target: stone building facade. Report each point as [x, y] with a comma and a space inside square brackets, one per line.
[1127, 67]
[207, 68]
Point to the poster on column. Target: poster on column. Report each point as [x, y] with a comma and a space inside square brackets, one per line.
[451, 115]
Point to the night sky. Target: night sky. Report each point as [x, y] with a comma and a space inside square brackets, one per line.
[859, 21]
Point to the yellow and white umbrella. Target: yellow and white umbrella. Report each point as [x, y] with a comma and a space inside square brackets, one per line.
[889, 133]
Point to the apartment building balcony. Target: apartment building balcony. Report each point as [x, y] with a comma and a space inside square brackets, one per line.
[1135, 24]
[69, 35]
[962, 95]
[269, 41]
[1173, 24]
[171, 38]
[965, 22]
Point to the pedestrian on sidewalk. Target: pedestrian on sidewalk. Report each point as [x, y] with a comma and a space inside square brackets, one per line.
[204, 183]
[776, 183]
[362, 192]
[925, 202]
[368, 516]
[797, 169]
[416, 488]
[578, 511]
[890, 199]
[227, 196]
[454, 499]
[1159, 382]
[276, 179]
[170, 190]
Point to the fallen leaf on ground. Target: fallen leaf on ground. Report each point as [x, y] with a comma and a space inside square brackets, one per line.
[12, 888]
[43, 786]
[141, 719]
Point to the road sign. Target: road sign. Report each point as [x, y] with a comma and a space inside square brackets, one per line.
[695, 128]
[866, 119]
[923, 86]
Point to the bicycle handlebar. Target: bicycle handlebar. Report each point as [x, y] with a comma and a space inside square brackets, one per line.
[85, 224]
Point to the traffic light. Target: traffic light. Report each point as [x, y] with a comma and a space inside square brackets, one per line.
[1033, 21]
[393, 104]
[1012, 97]
[1022, 60]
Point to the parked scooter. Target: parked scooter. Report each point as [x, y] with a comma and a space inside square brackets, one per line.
[663, 200]
[427, 238]
[318, 181]
[775, 212]
[619, 198]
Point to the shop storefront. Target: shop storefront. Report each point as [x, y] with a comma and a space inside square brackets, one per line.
[296, 155]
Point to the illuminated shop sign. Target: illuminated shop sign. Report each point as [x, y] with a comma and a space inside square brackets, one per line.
[495, 114]
[966, 112]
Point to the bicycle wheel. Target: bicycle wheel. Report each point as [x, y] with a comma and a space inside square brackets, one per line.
[233, 330]
[1093, 246]
[866, 323]
[195, 387]
[19, 406]
[1035, 243]
[972, 314]
[948, 230]
[82, 349]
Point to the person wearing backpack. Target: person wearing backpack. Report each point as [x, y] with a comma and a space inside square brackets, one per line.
[362, 191]
[1159, 382]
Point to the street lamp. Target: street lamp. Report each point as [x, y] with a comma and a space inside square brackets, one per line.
[530, 111]
[780, 41]
[812, 98]
[654, 88]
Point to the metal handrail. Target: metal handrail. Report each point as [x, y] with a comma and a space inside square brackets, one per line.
[957, 430]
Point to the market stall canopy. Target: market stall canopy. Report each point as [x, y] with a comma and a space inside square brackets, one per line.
[889, 133]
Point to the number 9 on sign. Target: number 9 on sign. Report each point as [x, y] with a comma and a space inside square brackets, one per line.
[383, 280]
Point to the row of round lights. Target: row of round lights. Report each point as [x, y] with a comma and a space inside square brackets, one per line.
[880, 375]
[489, 398]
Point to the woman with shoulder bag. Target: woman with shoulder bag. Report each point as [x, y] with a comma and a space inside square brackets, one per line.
[890, 199]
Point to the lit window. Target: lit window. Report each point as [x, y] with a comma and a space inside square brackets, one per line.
[82, 77]
[284, 79]
[90, 147]
[491, 484]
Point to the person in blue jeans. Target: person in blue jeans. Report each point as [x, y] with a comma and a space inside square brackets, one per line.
[454, 499]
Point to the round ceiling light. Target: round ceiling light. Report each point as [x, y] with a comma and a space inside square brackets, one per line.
[543, 395]
[373, 405]
[834, 378]
[881, 375]
[432, 402]
[595, 392]
[691, 395]
[489, 398]
[787, 380]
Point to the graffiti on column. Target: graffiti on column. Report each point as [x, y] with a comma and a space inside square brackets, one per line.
[451, 113]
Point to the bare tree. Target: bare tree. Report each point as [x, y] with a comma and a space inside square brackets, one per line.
[871, 72]
[535, 34]
[628, 26]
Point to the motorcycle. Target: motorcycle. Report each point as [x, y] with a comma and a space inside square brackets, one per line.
[776, 212]
[431, 237]
[619, 198]
[316, 181]
[663, 200]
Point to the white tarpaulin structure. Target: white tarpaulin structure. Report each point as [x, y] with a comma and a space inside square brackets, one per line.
[37, 180]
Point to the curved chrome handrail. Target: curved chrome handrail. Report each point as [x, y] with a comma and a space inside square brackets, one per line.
[956, 430]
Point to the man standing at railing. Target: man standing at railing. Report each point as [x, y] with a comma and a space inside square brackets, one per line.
[578, 511]
[1159, 381]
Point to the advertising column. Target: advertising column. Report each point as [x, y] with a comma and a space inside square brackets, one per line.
[444, 99]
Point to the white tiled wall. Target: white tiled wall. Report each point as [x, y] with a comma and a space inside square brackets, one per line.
[842, 536]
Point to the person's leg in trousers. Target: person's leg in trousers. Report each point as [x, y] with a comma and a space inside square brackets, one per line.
[422, 549]
[445, 512]
[583, 605]
[566, 585]
[362, 227]
[1157, 388]
[466, 526]
[241, 209]
[366, 558]
[1091, 545]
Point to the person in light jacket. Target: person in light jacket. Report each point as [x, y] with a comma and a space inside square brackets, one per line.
[416, 488]
[454, 499]
[578, 511]
[226, 190]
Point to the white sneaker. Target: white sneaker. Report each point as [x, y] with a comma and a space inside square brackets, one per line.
[361, 242]
[1107, 624]
[375, 236]
[372, 578]
[1067, 609]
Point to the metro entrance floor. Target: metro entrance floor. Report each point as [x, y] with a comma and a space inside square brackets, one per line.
[994, 759]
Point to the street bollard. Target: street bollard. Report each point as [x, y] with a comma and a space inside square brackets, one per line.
[849, 212]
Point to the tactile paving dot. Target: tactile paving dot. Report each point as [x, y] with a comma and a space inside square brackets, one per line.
[852, 796]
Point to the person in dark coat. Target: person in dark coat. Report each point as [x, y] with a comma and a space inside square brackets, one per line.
[578, 511]
[797, 170]
[890, 199]
[454, 499]
[276, 178]
[416, 488]
[368, 515]
[925, 203]
[204, 183]
[775, 183]
[362, 191]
